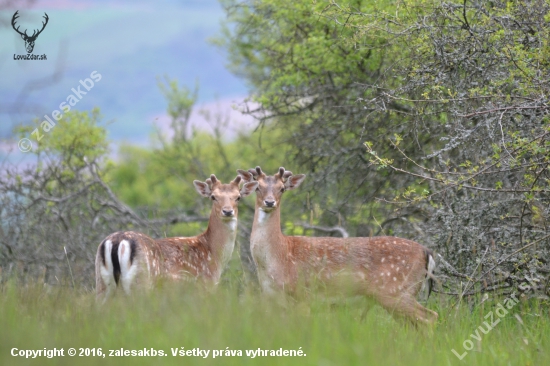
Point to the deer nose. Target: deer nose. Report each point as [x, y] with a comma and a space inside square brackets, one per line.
[270, 203]
[228, 213]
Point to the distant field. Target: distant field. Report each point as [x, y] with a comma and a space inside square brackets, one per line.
[231, 319]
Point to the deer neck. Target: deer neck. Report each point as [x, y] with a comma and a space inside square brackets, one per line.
[266, 227]
[220, 238]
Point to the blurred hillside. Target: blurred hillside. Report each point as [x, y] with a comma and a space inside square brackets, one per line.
[130, 43]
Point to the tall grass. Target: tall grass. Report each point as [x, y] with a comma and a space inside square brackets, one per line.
[174, 316]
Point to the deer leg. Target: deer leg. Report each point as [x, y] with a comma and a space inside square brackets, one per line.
[364, 313]
[427, 315]
[370, 302]
[409, 309]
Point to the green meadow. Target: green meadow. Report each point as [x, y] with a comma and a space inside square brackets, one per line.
[234, 318]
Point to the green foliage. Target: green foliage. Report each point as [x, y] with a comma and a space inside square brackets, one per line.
[76, 136]
[284, 47]
[180, 104]
[55, 212]
[310, 69]
[163, 177]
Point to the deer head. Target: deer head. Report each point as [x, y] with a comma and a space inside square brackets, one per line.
[271, 188]
[29, 40]
[225, 197]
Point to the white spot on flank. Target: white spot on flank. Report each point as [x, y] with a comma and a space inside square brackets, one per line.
[403, 261]
[383, 259]
[392, 266]
[395, 279]
[388, 274]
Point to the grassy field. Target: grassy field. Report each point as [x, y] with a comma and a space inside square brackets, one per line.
[172, 317]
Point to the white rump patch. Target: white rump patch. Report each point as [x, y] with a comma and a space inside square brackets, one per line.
[106, 271]
[128, 271]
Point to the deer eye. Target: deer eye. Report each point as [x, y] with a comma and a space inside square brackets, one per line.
[238, 198]
[283, 189]
[213, 198]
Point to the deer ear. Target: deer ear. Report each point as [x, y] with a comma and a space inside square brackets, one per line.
[294, 181]
[248, 188]
[237, 180]
[247, 176]
[202, 188]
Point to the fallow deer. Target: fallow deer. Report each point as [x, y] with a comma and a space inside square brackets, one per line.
[128, 258]
[389, 269]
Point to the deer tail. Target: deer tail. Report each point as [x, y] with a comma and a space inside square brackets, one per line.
[430, 267]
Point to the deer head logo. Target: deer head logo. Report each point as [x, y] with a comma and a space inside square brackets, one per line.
[29, 40]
